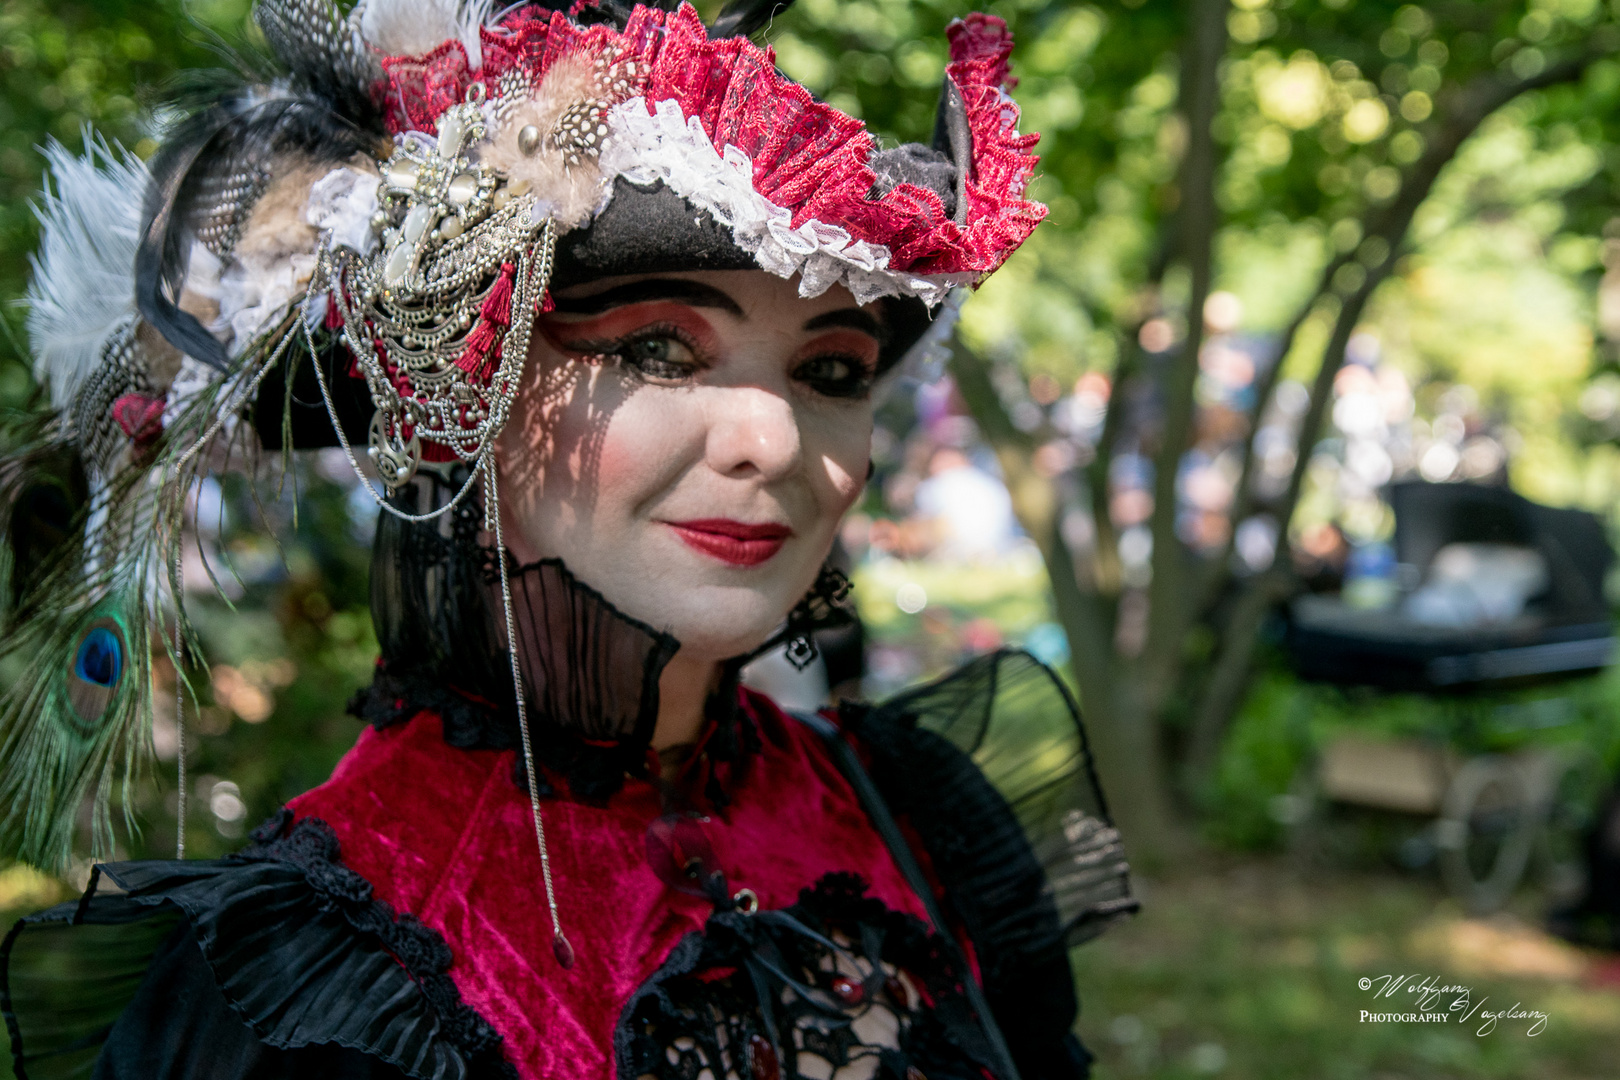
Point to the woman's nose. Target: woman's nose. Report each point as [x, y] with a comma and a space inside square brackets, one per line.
[752, 430]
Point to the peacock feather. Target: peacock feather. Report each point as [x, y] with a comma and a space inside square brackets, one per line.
[146, 397]
[87, 618]
[78, 716]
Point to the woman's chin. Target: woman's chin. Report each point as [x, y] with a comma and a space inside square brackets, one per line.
[716, 623]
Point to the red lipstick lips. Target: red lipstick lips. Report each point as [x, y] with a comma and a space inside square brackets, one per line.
[735, 542]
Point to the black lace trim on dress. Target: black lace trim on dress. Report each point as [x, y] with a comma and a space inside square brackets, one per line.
[469, 723]
[835, 980]
[594, 772]
[312, 847]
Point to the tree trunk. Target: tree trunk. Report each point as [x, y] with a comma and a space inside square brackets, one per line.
[1132, 769]
[1170, 613]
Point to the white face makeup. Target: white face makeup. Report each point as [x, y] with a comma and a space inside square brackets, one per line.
[687, 444]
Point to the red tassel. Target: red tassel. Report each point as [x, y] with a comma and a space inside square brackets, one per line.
[478, 364]
[479, 343]
[334, 317]
[498, 305]
[546, 303]
[487, 372]
[483, 344]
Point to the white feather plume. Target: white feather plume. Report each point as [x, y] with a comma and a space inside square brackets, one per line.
[83, 282]
[411, 27]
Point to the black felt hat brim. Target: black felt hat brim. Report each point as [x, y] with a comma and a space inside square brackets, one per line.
[651, 230]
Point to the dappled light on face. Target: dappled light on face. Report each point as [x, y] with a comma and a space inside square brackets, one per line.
[557, 430]
[674, 417]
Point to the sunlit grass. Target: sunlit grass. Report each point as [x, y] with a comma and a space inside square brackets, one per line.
[1244, 969]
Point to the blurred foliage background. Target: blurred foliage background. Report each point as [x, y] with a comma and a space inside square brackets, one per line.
[291, 634]
[1296, 249]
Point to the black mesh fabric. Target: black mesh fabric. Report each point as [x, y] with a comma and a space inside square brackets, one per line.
[586, 666]
[1017, 726]
[990, 767]
[428, 582]
[590, 672]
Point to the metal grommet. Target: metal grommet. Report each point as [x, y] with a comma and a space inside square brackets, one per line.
[476, 93]
[747, 901]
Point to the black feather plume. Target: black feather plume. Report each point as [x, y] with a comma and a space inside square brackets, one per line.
[746, 17]
[953, 137]
[315, 98]
[161, 258]
[208, 173]
[614, 13]
[325, 55]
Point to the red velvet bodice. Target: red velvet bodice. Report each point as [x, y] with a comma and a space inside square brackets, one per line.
[446, 835]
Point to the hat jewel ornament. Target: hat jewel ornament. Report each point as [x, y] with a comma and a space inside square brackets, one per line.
[438, 322]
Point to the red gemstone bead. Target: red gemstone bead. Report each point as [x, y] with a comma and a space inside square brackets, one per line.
[762, 1062]
[897, 990]
[848, 990]
[563, 951]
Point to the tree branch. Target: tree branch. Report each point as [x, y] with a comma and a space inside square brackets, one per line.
[1168, 613]
[1131, 768]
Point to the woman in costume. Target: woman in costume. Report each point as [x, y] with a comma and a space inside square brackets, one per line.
[605, 300]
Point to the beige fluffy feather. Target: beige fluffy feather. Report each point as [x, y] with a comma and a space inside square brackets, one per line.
[571, 194]
[276, 228]
[271, 264]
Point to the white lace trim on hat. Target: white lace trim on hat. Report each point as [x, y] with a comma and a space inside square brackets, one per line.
[664, 145]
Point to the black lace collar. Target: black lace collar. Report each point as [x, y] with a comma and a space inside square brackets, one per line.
[587, 666]
[589, 670]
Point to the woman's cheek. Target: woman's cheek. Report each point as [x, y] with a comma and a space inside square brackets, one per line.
[644, 437]
[844, 460]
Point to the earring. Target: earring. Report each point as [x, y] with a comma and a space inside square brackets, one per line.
[826, 605]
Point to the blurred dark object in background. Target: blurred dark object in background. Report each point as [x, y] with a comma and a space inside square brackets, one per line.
[1484, 587]
[843, 650]
[1594, 919]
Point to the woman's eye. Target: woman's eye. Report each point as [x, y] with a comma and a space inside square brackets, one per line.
[835, 376]
[658, 356]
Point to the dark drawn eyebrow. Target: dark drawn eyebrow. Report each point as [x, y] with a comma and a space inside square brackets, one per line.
[854, 319]
[693, 293]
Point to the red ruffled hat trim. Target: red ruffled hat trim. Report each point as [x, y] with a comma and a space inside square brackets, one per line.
[807, 156]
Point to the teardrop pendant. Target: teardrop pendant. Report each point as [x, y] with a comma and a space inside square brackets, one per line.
[563, 951]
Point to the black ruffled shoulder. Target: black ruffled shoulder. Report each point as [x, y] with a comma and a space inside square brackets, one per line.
[990, 768]
[274, 962]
